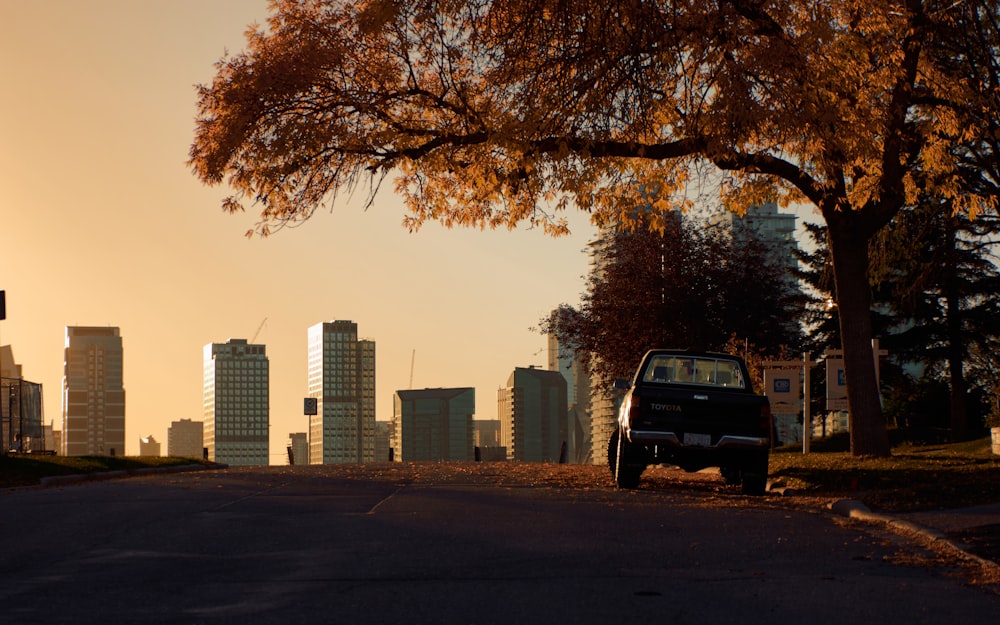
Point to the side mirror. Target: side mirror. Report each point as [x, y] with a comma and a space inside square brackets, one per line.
[622, 385]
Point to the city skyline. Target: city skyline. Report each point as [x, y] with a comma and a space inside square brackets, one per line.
[105, 225]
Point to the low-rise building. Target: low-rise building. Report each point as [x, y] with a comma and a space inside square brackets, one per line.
[433, 424]
[185, 439]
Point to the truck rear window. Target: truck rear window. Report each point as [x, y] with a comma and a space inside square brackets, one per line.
[689, 370]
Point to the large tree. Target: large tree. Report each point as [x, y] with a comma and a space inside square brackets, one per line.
[497, 112]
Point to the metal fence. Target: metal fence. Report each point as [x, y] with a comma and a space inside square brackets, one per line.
[21, 417]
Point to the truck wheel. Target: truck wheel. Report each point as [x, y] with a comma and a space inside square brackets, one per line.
[755, 475]
[613, 453]
[626, 468]
[731, 474]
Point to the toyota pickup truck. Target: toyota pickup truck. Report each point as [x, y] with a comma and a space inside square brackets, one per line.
[693, 410]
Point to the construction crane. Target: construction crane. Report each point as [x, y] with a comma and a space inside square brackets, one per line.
[413, 360]
[259, 328]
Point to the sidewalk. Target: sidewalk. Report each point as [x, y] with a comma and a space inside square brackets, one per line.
[973, 532]
[957, 520]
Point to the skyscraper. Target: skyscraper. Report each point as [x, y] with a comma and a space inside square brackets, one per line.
[434, 424]
[567, 361]
[603, 402]
[93, 396]
[772, 227]
[533, 418]
[236, 403]
[342, 379]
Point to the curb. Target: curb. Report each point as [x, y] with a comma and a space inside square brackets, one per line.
[77, 478]
[855, 509]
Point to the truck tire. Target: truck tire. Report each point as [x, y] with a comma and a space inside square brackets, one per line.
[731, 474]
[613, 453]
[626, 467]
[754, 474]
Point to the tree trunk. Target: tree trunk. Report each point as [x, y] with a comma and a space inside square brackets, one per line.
[959, 417]
[849, 247]
[955, 340]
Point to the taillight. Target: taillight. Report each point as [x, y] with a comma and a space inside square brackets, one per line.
[633, 408]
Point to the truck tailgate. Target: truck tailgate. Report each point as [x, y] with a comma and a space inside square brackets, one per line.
[699, 411]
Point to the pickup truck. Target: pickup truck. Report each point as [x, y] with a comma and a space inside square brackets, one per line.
[693, 410]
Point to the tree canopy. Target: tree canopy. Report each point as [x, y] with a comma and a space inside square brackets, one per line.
[493, 113]
[689, 286]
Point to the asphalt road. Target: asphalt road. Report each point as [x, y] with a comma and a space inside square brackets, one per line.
[305, 546]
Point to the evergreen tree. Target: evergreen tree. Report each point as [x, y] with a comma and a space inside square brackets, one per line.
[936, 296]
[818, 311]
[941, 283]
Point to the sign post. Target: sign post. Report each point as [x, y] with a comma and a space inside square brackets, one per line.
[836, 382]
[781, 385]
[807, 422]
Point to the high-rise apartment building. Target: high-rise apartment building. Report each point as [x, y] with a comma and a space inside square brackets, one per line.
[602, 401]
[342, 379]
[772, 227]
[186, 439]
[434, 424]
[567, 361]
[533, 418]
[236, 403]
[93, 417]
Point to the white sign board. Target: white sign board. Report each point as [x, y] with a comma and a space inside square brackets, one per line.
[782, 387]
[836, 384]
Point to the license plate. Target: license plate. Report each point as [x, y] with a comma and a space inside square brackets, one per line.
[697, 440]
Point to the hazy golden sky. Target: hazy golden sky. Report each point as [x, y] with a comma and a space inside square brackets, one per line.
[102, 223]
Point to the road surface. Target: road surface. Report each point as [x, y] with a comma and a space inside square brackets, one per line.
[314, 545]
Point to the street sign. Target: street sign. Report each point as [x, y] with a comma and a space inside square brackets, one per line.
[310, 406]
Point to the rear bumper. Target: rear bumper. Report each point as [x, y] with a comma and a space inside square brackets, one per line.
[727, 441]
